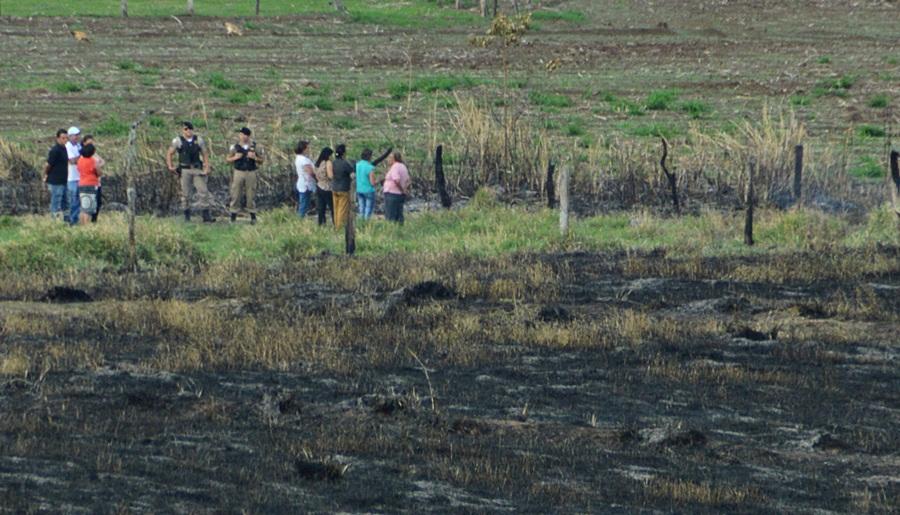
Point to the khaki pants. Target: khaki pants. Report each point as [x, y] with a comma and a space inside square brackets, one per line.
[247, 182]
[193, 179]
[341, 208]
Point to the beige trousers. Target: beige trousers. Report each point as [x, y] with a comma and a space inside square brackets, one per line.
[193, 179]
[243, 181]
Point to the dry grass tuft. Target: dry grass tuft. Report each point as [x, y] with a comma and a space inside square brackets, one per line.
[688, 492]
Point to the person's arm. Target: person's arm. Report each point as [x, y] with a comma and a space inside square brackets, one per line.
[310, 170]
[205, 150]
[47, 166]
[257, 155]
[329, 170]
[169, 155]
[383, 157]
[72, 160]
[372, 177]
[232, 154]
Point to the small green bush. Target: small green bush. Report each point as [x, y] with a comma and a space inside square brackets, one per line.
[322, 104]
[801, 100]
[345, 123]
[126, 65]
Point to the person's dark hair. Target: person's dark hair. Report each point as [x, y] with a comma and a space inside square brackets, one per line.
[366, 155]
[340, 150]
[324, 155]
[301, 147]
[397, 156]
[86, 138]
[88, 151]
[60, 132]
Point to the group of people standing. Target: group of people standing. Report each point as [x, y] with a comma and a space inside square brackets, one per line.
[73, 172]
[332, 177]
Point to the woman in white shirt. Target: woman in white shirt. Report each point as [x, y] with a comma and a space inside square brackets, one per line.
[306, 177]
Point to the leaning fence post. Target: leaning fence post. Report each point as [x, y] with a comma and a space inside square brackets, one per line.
[124, 6]
[749, 200]
[350, 235]
[564, 201]
[798, 172]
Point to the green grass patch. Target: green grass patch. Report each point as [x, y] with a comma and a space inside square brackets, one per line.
[345, 123]
[244, 95]
[218, 81]
[801, 100]
[695, 108]
[824, 59]
[322, 104]
[430, 84]
[111, 127]
[126, 65]
[655, 129]
[879, 101]
[542, 99]
[837, 87]
[568, 16]
[870, 131]
[575, 128]
[67, 86]
[661, 100]
[868, 168]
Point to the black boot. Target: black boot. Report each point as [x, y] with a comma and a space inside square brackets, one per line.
[233, 217]
[252, 218]
[187, 215]
[207, 218]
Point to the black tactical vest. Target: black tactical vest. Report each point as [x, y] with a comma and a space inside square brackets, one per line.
[189, 153]
[245, 164]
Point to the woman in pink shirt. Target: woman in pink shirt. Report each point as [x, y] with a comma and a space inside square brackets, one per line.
[396, 187]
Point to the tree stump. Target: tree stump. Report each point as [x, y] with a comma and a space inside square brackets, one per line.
[798, 172]
[440, 182]
[564, 201]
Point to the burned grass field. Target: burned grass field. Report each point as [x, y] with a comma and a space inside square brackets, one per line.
[570, 382]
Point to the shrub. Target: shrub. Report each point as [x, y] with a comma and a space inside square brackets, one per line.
[126, 65]
[322, 104]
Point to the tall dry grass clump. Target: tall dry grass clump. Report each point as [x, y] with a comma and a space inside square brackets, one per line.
[14, 166]
[496, 150]
[770, 140]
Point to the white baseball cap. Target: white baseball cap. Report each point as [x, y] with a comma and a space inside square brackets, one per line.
[73, 131]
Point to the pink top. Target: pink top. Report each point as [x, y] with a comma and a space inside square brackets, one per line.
[397, 180]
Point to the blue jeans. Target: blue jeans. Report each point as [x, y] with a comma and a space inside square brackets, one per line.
[57, 199]
[303, 205]
[366, 203]
[74, 201]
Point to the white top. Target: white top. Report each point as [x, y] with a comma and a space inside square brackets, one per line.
[305, 181]
[74, 152]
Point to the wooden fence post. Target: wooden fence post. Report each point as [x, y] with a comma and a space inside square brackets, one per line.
[564, 201]
[550, 186]
[798, 172]
[257, 7]
[895, 178]
[131, 191]
[749, 200]
[440, 182]
[190, 7]
[124, 8]
[350, 235]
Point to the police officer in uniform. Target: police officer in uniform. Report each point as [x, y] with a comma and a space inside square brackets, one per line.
[193, 169]
[246, 157]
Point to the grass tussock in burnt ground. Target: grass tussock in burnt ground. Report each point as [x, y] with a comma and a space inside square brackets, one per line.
[571, 381]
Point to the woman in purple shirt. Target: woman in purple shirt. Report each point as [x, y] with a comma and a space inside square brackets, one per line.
[396, 187]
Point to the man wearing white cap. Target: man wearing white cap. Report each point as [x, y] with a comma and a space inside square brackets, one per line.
[73, 149]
